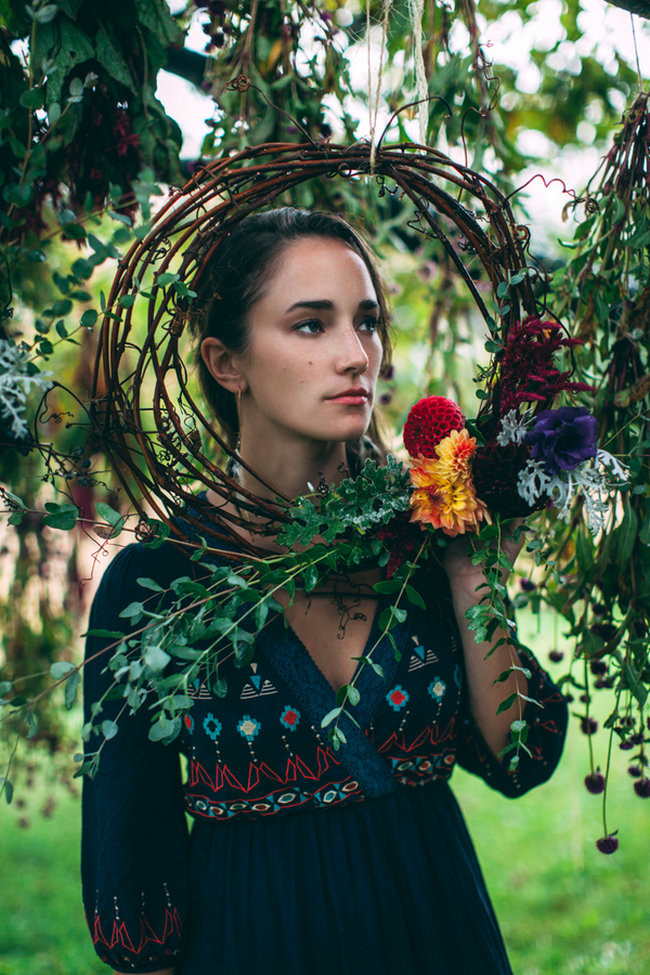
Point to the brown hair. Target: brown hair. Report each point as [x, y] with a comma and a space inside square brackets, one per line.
[235, 277]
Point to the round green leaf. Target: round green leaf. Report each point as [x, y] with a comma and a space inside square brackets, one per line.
[109, 729]
[71, 686]
[156, 659]
[60, 669]
[9, 789]
[89, 318]
[32, 98]
[46, 14]
[61, 516]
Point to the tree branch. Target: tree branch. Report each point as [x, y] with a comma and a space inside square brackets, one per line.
[189, 65]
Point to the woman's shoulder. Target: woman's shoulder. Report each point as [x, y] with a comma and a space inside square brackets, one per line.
[136, 561]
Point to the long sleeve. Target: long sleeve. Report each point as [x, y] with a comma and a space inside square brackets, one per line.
[547, 723]
[134, 837]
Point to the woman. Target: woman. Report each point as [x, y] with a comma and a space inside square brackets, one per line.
[303, 858]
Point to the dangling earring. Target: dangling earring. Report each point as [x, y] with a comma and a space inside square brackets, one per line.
[239, 396]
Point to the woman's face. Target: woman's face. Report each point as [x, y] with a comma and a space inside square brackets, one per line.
[312, 362]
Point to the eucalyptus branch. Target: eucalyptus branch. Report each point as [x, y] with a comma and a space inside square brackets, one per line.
[490, 615]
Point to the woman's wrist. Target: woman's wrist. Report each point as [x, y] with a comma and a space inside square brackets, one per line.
[466, 590]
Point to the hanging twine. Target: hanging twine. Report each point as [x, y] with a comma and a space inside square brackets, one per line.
[416, 9]
[373, 99]
[636, 52]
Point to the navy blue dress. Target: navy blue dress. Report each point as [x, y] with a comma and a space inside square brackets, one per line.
[301, 859]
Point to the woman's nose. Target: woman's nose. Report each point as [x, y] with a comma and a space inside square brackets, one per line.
[353, 356]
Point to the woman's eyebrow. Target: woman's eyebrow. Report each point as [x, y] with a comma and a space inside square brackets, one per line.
[368, 304]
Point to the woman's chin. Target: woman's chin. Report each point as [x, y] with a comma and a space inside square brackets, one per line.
[351, 427]
[352, 433]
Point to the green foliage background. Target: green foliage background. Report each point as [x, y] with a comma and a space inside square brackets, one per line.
[86, 148]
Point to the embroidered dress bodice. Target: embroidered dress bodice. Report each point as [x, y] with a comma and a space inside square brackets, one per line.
[259, 758]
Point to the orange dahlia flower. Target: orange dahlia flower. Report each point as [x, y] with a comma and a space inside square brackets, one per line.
[454, 455]
[444, 496]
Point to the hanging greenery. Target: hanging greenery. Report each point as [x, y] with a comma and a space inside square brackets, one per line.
[600, 583]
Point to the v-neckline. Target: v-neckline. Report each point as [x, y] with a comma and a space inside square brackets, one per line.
[287, 654]
[371, 639]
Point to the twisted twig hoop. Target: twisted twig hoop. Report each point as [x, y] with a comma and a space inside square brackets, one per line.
[157, 435]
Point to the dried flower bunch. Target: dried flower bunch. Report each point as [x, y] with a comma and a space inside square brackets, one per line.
[534, 460]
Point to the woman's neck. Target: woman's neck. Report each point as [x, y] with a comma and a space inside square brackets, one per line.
[291, 468]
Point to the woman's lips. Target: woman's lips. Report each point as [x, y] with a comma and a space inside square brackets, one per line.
[355, 397]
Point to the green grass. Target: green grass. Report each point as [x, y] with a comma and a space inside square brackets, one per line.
[43, 931]
[564, 907]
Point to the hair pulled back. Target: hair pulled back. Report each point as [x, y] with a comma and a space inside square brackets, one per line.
[236, 276]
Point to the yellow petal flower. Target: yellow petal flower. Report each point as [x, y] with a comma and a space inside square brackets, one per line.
[455, 453]
[424, 473]
[444, 496]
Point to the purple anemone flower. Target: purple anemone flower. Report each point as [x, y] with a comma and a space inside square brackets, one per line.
[563, 438]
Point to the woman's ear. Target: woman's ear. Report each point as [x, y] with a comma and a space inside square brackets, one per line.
[220, 363]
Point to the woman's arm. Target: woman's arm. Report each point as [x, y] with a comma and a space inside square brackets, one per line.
[134, 834]
[484, 694]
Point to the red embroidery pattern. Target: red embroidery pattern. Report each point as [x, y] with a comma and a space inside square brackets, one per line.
[276, 801]
[411, 768]
[294, 768]
[147, 935]
[433, 734]
[295, 771]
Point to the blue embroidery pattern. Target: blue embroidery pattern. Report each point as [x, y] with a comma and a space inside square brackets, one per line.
[248, 727]
[437, 689]
[290, 718]
[397, 697]
[212, 726]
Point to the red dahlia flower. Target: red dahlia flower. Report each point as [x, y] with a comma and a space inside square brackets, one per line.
[429, 422]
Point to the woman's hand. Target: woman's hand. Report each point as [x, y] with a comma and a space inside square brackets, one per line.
[457, 560]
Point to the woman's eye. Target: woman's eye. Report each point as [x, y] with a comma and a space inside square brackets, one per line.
[369, 324]
[312, 327]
